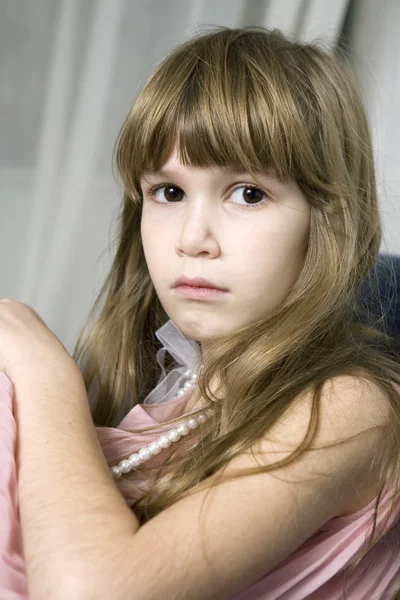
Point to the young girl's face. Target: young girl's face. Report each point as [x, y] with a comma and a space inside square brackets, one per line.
[220, 225]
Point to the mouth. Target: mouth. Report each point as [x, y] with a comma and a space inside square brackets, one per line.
[198, 283]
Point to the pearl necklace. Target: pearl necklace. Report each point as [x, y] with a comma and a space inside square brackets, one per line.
[145, 453]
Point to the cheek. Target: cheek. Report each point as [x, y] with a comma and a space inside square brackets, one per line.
[276, 252]
[155, 245]
[154, 226]
[150, 230]
[148, 238]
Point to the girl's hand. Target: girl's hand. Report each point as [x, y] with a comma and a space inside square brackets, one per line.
[27, 346]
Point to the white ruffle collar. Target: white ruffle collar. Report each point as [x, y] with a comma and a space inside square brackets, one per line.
[187, 355]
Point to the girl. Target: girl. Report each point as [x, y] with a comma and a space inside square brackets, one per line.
[263, 461]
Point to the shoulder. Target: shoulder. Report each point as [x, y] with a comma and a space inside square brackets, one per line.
[348, 395]
[348, 406]
[350, 443]
[349, 409]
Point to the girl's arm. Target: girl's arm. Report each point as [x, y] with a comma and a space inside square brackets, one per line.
[82, 541]
[68, 501]
[73, 517]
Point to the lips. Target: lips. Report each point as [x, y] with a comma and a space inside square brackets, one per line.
[198, 282]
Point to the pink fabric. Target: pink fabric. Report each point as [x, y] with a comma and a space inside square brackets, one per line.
[313, 571]
[13, 585]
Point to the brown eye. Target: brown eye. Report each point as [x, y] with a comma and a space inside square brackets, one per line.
[251, 195]
[171, 193]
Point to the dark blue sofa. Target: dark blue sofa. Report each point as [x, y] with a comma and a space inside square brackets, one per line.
[380, 294]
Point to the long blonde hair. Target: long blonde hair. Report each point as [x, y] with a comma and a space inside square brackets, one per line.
[252, 100]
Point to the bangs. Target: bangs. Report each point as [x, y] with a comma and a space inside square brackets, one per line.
[226, 102]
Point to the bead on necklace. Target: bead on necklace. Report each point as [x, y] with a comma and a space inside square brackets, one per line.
[164, 441]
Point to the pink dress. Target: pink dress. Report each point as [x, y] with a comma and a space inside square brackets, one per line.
[314, 571]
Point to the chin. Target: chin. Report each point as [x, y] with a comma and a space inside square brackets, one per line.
[200, 327]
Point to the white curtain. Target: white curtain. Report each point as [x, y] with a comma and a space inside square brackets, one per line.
[69, 71]
[374, 30]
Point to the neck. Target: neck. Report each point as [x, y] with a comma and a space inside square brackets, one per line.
[196, 400]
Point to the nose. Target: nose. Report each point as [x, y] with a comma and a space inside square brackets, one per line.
[198, 232]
